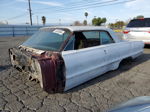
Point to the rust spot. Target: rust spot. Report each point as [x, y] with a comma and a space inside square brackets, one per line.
[50, 71]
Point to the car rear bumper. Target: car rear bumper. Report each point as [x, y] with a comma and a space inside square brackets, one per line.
[146, 42]
[46, 70]
[134, 38]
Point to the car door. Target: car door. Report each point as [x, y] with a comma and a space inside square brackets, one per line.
[85, 63]
[115, 53]
[111, 51]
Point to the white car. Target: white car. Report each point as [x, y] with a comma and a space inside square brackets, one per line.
[61, 58]
[138, 29]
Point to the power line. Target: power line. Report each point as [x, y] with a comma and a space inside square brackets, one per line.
[18, 16]
[82, 5]
[93, 5]
[89, 6]
[8, 4]
[98, 5]
[23, 14]
[72, 4]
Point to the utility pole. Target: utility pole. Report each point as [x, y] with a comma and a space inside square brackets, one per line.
[59, 21]
[37, 20]
[30, 12]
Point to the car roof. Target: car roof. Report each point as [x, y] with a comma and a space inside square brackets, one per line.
[77, 28]
[85, 28]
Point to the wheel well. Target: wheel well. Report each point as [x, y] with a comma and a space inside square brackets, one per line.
[124, 61]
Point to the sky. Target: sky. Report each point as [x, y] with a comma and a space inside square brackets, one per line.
[68, 11]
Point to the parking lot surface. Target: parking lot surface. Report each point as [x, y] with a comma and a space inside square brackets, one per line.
[18, 94]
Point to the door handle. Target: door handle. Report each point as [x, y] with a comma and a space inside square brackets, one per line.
[105, 51]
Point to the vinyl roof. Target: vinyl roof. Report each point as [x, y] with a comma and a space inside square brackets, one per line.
[77, 28]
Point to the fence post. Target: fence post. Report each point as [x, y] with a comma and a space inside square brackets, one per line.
[26, 31]
[13, 29]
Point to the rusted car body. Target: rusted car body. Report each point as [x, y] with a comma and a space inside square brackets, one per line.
[61, 58]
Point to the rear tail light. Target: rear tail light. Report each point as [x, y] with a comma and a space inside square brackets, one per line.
[126, 31]
[148, 31]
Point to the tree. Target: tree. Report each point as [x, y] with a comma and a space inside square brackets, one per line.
[104, 20]
[77, 23]
[86, 14]
[85, 22]
[118, 24]
[98, 21]
[139, 17]
[111, 25]
[43, 20]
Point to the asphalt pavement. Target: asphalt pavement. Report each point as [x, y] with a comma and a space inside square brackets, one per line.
[18, 94]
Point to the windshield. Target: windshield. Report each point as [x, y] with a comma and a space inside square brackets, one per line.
[139, 23]
[47, 40]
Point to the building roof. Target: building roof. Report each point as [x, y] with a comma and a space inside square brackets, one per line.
[77, 28]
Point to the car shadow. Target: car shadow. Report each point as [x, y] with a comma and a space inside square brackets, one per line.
[125, 65]
[4, 67]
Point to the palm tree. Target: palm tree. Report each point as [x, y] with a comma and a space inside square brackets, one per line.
[43, 20]
[86, 15]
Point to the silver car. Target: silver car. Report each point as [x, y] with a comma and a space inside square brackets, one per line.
[138, 104]
[138, 29]
[61, 58]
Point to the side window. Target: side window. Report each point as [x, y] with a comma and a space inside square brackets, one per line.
[70, 44]
[86, 39]
[105, 38]
[91, 35]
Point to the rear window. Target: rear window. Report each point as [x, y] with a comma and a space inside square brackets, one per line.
[48, 39]
[139, 23]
